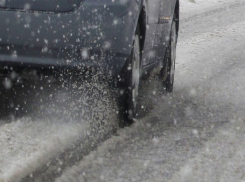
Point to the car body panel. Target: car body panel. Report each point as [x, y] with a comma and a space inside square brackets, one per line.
[41, 5]
[160, 13]
[97, 33]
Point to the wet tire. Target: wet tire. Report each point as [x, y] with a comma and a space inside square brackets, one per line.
[168, 71]
[129, 99]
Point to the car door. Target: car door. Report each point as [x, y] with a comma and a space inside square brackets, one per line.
[163, 27]
[152, 11]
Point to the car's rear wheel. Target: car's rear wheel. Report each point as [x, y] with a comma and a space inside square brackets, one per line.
[168, 71]
[135, 80]
[129, 99]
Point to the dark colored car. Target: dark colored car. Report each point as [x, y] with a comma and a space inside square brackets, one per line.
[125, 38]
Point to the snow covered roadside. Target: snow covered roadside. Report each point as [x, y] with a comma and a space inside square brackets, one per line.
[191, 8]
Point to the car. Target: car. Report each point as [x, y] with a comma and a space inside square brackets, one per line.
[124, 39]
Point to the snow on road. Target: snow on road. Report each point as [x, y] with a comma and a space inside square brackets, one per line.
[221, 158]
[196, 134]
[55, 124]
[212, 60]
[197, 130]
[191, 8]
[27, 144]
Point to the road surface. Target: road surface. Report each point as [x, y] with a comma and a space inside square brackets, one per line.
[195, 134]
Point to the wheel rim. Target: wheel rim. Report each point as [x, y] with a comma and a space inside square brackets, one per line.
[135, 72]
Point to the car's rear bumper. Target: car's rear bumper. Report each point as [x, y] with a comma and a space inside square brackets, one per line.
[66, 40]
[110, 64]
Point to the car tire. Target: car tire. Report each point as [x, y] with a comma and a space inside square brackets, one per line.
[129, 98]
[168, 71]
